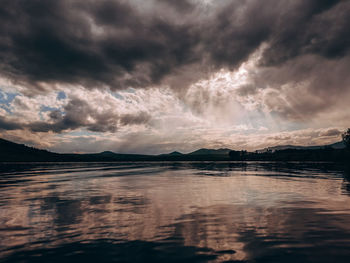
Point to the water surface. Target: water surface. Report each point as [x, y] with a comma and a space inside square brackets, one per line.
[174, 212]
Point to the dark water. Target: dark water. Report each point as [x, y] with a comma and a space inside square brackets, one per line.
[174, 212]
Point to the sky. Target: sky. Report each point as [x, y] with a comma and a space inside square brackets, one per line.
[157, 76]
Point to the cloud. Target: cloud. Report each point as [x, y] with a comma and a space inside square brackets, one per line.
[180, 6]
[331, 133]
[77, 114]
[312, 27]
[103, 43]
[9, 125]
[141, 118]
[119, 44]
[305, 87]
[229, 73]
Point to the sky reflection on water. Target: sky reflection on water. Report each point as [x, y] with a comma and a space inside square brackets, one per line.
[174, 212]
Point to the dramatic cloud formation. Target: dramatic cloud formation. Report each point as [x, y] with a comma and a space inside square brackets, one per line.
[78, 114]
[151, 76]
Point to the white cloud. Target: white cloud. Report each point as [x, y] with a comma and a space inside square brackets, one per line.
[228, 109]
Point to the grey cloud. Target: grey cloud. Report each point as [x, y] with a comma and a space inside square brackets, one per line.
[140, 118]
[309, 27]
[8, 125]
[246, 90]
[55, 115]
[315, 86]
[90, 43]
[179, 5]
[78, 114]
[330, 132]
[116, 44]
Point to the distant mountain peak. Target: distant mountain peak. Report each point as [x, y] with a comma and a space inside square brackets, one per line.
[107, 152]
[205, 151]
[337, 145]
[175, 153]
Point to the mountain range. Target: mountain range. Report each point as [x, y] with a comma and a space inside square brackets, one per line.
[14, 152]
[337, 145]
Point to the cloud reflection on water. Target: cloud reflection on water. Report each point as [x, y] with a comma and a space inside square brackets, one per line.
[180, 212]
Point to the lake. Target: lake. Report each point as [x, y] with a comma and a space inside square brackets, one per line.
[174, 212]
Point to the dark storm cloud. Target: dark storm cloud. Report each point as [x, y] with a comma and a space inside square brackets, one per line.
[331, 132]
[88, 43]
[305, 86]
[117, 44]
[179, 5]
[8, 125]
[129, 119]
[78, 114]
[310, 27]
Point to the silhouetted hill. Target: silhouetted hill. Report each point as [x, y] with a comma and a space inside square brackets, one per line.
[337, 145]
[204, 151]
[10, 151]
[106, 153]
[13, 152]
[175, 153]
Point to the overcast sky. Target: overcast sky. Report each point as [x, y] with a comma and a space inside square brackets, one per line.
[154, 76]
